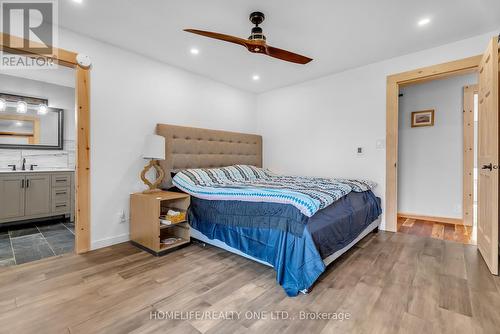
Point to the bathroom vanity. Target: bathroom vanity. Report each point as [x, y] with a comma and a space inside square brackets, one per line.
[26, 195]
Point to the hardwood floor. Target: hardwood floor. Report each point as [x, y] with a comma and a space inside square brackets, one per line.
[389, 283]
[450, 232]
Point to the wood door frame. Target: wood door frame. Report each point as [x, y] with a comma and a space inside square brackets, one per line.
[82, 115]
[469, 150]
[394, 83]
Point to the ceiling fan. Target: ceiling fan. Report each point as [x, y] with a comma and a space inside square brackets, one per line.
[256, 43]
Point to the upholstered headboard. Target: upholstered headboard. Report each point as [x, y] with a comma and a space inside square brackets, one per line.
[187, 147]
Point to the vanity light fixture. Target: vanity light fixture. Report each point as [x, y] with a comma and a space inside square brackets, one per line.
[42, 109]
[3, 105]
[22, 107]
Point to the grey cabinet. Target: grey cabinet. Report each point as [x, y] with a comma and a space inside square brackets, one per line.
[32, 195]
[11, 196]
[37, 199]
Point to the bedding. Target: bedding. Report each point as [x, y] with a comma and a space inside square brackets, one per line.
[252, 184]
[292, 223]
[297, 258]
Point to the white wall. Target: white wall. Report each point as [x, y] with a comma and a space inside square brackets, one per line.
[62, 97]
[313, 128]
[130, 94]
[430, 169]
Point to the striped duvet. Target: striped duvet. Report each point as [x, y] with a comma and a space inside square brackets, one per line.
[252, 184]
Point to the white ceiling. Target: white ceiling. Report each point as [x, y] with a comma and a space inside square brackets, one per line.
[337, 34]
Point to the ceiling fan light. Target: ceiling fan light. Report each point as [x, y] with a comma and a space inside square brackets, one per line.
[22, 107]
[256, 43]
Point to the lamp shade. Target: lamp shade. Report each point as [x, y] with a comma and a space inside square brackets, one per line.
[154, 148]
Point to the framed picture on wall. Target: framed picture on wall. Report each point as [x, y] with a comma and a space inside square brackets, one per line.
[422, 118]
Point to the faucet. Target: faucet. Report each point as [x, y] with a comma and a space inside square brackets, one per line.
[24, 164]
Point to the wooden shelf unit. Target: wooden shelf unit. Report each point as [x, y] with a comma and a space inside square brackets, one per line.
[146, 231]
[173, 224]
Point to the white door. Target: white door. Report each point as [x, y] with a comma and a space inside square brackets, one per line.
[487, 201]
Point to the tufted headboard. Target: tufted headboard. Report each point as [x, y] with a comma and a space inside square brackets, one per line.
[187, 147]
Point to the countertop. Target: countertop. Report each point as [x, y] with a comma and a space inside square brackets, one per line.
[36, 171]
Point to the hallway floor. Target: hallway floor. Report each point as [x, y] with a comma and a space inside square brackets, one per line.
[424, 228]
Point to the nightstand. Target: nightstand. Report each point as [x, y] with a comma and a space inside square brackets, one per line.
[146, 231]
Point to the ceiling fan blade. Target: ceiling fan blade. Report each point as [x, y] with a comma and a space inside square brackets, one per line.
[222, 37]
[287, 55]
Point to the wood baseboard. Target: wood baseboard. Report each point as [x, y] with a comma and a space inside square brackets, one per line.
[443, 220]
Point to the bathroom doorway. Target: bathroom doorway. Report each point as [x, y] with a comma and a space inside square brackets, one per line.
[37, 164]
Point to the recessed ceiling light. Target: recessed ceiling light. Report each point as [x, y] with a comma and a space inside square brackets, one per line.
[255, 77]
[194, 51]
[424, 21]
[78, 1]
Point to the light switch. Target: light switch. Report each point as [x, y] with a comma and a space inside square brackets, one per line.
[360, 151]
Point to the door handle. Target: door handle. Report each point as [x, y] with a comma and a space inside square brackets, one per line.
[490, 166]
[27, 183]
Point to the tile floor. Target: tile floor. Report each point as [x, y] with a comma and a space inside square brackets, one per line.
[31, 242]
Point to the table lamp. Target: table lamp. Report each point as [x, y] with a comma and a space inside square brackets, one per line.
[154, 150]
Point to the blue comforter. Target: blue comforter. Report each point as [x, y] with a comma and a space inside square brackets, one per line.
[295, 245]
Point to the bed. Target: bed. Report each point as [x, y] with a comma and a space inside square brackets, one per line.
[296, 237]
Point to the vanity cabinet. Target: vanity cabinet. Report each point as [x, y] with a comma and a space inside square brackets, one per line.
[37, 195]
[33, 195]
[11, 197]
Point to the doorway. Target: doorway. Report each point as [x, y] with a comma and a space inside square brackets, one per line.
[16, 45]
[436, 158]
[37, 163]
[487, 65]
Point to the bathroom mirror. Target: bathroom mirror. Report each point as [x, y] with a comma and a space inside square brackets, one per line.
[29, 126]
